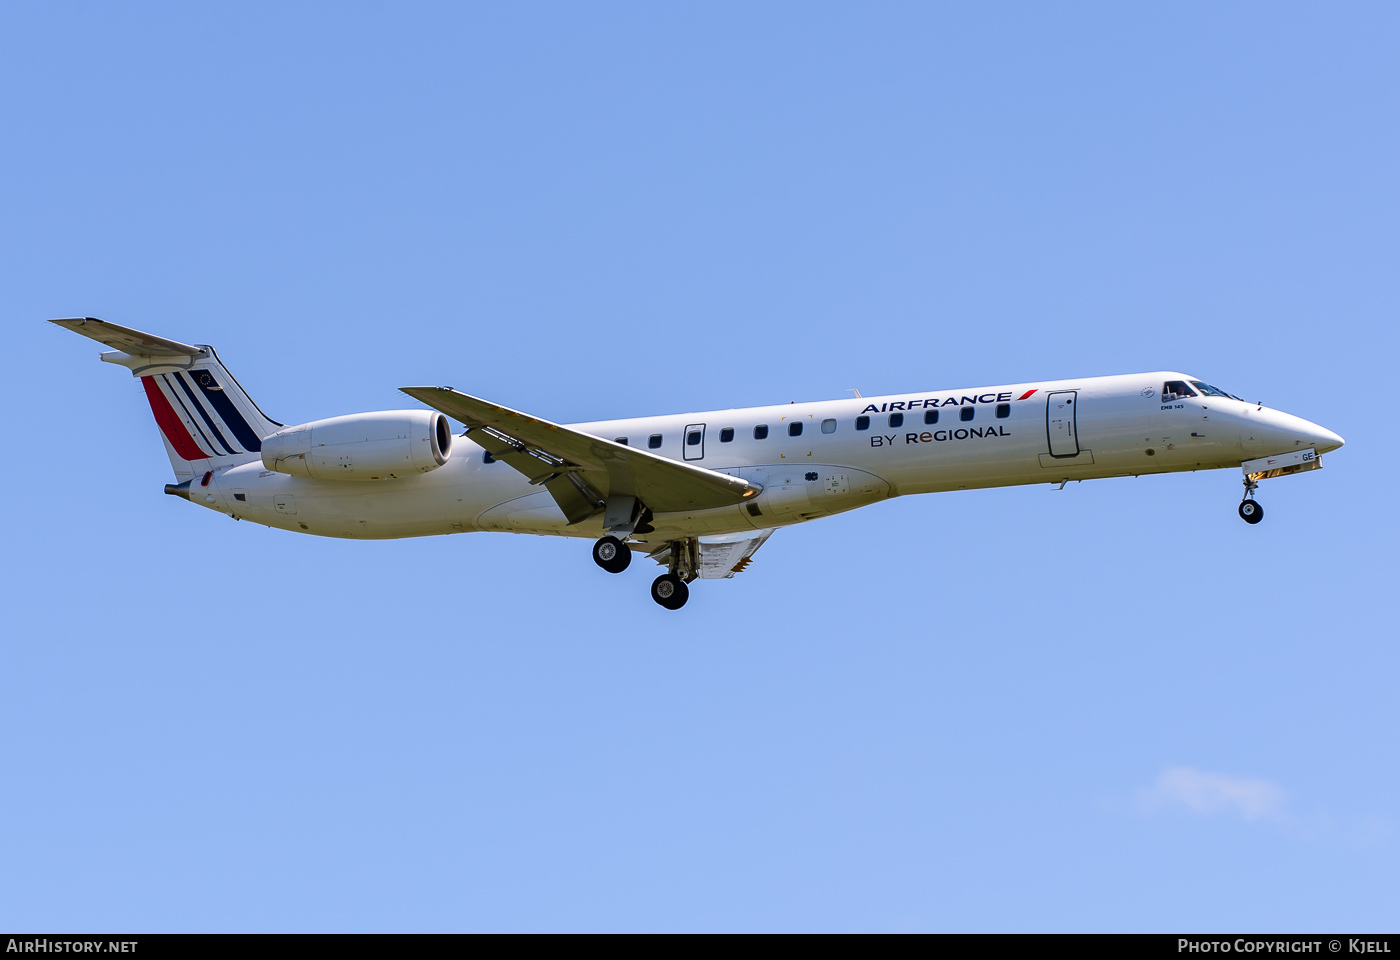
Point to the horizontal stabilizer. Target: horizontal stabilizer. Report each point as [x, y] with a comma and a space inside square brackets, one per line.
[127, 340]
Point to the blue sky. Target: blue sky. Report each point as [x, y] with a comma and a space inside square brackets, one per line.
[1112, 707]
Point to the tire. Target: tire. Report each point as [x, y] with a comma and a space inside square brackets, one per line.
[612, 554]
[1251, 511]
[669, 591]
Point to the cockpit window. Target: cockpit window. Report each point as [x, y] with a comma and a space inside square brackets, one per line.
[1210, 391]
[1176, 390]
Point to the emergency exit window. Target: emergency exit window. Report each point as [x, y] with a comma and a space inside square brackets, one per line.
[795, 429]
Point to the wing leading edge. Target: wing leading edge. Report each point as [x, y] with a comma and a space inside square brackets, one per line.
[582, 472]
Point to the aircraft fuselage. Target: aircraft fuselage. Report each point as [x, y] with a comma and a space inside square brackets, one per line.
[813, 459]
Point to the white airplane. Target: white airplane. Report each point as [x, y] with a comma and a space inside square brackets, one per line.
[700, 492]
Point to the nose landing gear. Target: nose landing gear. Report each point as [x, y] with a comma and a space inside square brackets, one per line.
[1250, 510]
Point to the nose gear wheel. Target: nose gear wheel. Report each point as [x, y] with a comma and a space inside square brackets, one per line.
[1250, 510]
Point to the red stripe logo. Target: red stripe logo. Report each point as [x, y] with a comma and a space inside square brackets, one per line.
[170, 424]
[1027, 394]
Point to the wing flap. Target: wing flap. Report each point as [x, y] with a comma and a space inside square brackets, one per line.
[577, 499]
[565, 459]
[722, 557]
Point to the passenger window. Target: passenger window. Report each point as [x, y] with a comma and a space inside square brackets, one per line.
[828, 426]
[726, 435]
[930, 416]
[967, 413]
[896, 420]
[795, 429]
[1003, 411]
[621, 440]
[862, 423]
[692, 439]
[654, 441]
[760, 432]
[1176, 390]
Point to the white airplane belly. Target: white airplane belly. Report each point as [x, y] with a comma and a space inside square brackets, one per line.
[443, 501]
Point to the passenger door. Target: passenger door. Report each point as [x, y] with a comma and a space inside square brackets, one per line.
[693, 441]
[1060, 423]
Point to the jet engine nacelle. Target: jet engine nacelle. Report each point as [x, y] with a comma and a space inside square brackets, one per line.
[364, 446]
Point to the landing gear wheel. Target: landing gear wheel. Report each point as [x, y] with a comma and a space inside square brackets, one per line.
[1250, 511]
[612, 554]
[670, 591]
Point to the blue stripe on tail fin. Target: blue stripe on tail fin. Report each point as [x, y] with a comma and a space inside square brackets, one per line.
[204, 415]
[219, 400]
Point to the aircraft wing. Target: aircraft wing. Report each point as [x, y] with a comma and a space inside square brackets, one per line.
[582, 471]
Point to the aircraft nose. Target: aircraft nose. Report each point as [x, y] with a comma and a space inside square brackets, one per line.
[1268, 432]
[1324, 440]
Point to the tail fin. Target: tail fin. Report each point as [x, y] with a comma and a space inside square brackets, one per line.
[205, 417]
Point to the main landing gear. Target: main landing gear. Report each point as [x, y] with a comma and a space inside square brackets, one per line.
[1250, 510]
[670, 591]
[670, 588]
[612, 554]
[682, 557]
